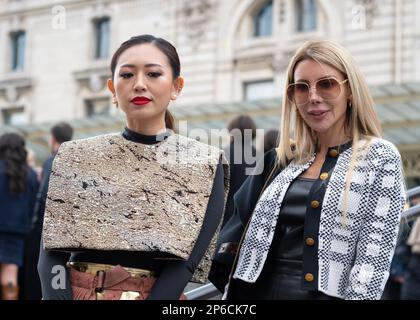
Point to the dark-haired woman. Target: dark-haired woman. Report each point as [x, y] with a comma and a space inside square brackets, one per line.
[131, 215]
[18, 188]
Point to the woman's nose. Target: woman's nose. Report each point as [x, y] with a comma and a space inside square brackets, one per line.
[313, 95]
[140, 84]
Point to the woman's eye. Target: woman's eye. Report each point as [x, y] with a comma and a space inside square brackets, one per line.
[301, 87]
[326, 84]
[154, 74]
[126, 75]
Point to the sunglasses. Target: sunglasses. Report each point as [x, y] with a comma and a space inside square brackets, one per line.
[327, 88]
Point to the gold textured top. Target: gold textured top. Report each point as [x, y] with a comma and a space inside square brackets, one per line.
[109, 193]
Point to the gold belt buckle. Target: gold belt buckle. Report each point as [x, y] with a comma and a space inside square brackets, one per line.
[129, 295]
[126, 295]
[100, 295]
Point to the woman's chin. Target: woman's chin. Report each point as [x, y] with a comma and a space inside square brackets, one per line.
[319, 129]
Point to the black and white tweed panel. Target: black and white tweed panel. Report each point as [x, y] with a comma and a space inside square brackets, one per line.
[357, 241]
[378, 237]
[338, 230]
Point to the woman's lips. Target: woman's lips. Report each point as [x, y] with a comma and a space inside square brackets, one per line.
[317, 114]
[140, 101]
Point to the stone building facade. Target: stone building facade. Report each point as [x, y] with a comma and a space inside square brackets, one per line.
[54, 54]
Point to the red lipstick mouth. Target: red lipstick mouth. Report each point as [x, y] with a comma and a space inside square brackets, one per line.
[140, 100]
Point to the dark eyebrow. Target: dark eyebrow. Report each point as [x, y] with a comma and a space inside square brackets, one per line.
[127, 65]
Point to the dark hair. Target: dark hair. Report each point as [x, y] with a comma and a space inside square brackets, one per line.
[13, 152]
[243, 122]
[166, 48]
[271, 139]
[62, 132]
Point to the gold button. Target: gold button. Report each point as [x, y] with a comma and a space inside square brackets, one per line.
[333, 153]
[310, 242]
[309, 277]
[315, 204]
[323, 176]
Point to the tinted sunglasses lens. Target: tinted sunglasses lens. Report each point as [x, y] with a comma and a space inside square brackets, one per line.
[298, 93]
[328, 88]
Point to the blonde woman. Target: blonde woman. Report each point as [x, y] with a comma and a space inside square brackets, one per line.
[325, 211]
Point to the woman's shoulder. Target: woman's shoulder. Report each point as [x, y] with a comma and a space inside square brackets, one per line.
[381, 148]
[378, 152]
[90, 142]
[189, 150]
[267, 162]
[184, 140]
[270, 156]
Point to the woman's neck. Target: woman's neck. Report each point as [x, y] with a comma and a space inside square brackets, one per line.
[327, 141]
[145, 139]
[147, 129]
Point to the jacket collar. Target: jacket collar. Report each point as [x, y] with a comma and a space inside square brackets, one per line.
[342, 147]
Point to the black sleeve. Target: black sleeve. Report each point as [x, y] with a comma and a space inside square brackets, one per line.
[175, 275]
[54, 276]
[34, 189]
[42, 193]
[245, 200]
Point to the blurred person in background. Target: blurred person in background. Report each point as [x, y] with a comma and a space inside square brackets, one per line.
[392, 290]
[31, 160]
[241, 156]
[31, 286]
[271, 139]
[18, 189]
[59, 133]
[410, 258]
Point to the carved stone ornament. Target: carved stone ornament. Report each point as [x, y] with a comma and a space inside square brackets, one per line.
[370, 10]
[11, 94]
[93, 79]
[95, 83]
[282, 11]
[196, 17]
[13, 88]
[109, 193]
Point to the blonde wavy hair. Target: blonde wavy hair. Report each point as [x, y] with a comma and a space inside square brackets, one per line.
[298, 141]
[362, 122]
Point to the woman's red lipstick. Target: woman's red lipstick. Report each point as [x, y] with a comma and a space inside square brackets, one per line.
[140, 100]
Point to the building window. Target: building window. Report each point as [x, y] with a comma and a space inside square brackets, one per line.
[306, 12]
[259, 90]
[263, 21]
[102, 36]
[97, 107]
[18, 50]
[14, 116]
